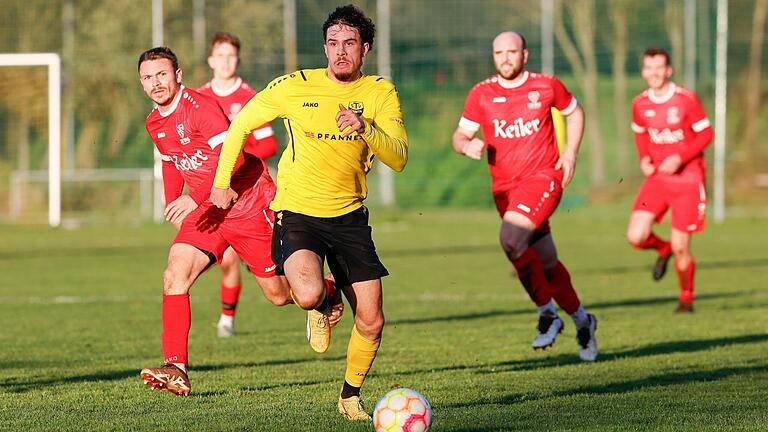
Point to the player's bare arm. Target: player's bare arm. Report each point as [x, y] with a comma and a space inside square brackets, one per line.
[574, 127]
[223, 198]
[348, 122]
[465, 142]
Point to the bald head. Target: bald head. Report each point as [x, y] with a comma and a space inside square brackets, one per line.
[509, 54]
[508, 37]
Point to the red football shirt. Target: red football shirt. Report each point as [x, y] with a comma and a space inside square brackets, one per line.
[189, 137]
[673, 123]
[261, 142]
[516, 122]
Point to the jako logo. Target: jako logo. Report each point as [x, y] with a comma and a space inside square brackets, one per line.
[517, 129]
[311, 104]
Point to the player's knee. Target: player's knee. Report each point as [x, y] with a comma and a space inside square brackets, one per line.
[229, 264]
[174, 282]
[306, 300]
[512, 249]
[230, 276]
[680, 250]
[636, 236]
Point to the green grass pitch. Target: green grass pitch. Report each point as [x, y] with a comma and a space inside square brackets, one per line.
[80, 316]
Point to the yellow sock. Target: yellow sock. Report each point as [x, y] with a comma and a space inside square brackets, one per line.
[360, 355]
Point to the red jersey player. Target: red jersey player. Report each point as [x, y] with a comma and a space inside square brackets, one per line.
[671, 131]
[513, 111]
[232, 93]
[188, 129]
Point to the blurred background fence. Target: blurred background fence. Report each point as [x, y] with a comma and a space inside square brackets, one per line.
[439, 49]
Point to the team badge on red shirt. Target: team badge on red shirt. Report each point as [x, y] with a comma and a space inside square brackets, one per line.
[673, 115]
[533, 97]
[180, 130]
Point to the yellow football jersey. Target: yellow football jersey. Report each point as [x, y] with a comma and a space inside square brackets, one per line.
[321, 172]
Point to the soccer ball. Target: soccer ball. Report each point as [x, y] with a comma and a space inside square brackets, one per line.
[402, 410]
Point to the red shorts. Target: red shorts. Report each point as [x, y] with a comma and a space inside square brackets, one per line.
[250, 235]
[535, 197]
[686, 200]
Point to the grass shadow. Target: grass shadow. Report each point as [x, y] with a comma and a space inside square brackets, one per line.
[21, 385]
[645, 301]
[670, 347]
[661, 380]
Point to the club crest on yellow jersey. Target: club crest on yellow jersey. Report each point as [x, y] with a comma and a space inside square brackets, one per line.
[356, 107]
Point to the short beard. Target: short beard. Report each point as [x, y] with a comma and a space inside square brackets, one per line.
[344, 77]
[513, 75]
[163, 102]
[347, 76]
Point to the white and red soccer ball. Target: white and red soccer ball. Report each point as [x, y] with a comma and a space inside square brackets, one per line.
[402, 410]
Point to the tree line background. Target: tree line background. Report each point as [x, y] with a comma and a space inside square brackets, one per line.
[440, 48]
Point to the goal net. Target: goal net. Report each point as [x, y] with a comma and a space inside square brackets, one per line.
[33, 186]
[30, 111]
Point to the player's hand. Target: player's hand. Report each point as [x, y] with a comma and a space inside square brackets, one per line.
[336, 313]
[178, 209]
[474, 149]
[223, 198]
[646, 166]
[567, 163]
[348, 122]
[671, 164]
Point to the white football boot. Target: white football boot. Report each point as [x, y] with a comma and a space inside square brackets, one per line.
[226, 326]
[548, 329]
[587, 341]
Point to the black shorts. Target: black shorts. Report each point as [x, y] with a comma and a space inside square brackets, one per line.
[345, 241]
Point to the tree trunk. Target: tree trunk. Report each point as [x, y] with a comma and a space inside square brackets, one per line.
[673, 16]
[753, 87]
[618, 46]
[584, 65]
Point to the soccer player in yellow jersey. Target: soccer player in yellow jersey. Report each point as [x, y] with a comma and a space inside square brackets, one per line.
[338, 120]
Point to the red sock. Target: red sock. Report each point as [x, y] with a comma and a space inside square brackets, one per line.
[330, 288]
[663, 248]
[562, 288]
[330, 291]
[685, 281]
[531, 275]
[229, 297]
[177, 318]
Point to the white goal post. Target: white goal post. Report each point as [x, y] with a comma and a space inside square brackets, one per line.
[53, 62]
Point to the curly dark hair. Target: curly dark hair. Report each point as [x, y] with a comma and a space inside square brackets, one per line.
[159, 53]
[351, 16]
